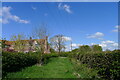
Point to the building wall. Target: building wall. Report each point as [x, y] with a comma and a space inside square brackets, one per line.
[32, 48]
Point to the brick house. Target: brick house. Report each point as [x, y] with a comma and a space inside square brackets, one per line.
[31, 45]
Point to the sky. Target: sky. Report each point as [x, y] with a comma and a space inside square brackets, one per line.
[83, 23]
[60, 0]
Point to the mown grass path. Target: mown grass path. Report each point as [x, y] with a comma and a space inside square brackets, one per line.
[55, 68]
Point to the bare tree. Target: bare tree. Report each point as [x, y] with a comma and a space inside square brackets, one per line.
[58, 42]
[41, 33]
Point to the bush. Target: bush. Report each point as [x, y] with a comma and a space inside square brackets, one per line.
[12, 62]
[83, 70]
[46, 57]
[107, 63]
[64, 54]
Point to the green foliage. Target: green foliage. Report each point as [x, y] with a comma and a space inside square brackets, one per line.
[96, 48]
[52, 50]
[19, 42]
[107, 63]
[85, 49]
[64, 54]
[75, 50]
[46, 57]
[56, 68]
[83, 70]
[12, 62]
[3, 43]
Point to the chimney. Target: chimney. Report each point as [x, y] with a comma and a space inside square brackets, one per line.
[46, 38]
[46, 43]
[30, 38]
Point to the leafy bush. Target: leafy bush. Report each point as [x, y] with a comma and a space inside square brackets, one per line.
[12, 62]
[96, 48]
[46, 57]
[107, 63]
[64, 54]
[83, 70]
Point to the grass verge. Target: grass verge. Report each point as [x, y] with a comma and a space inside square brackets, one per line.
[59, 67]
[56, 68]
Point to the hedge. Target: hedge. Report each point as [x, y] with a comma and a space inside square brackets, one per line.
[107, 64]
[12, 62]
[46, 57]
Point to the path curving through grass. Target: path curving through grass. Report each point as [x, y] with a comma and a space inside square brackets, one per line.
[56, 68]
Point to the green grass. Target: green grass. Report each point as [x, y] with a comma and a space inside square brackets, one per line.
[83, 70]
[55, 68]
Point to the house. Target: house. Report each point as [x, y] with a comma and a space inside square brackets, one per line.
[31, 45]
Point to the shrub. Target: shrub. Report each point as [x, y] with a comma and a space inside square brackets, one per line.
[85, 49]
[46, 57]
[12, 62]
[107, 63]
[96, 48]
[64, 54]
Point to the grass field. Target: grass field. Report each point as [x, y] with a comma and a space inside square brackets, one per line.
[56, 68]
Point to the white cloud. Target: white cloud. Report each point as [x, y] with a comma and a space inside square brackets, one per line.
[67, 38]
[111, 45]
[67, 8]
[34, 8]
[116, 29]
[67, 48]
[97, 35]
[7, 16]
[64, 7]
[117, 26]
[93, 44]
[74, 46]
[107, 44]
[59, 5]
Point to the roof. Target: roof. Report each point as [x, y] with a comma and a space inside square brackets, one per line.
[11, 42]
[7, 42]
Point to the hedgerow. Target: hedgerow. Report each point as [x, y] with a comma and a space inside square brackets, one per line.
[46, 57]
[107, 63]
[12, 62]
